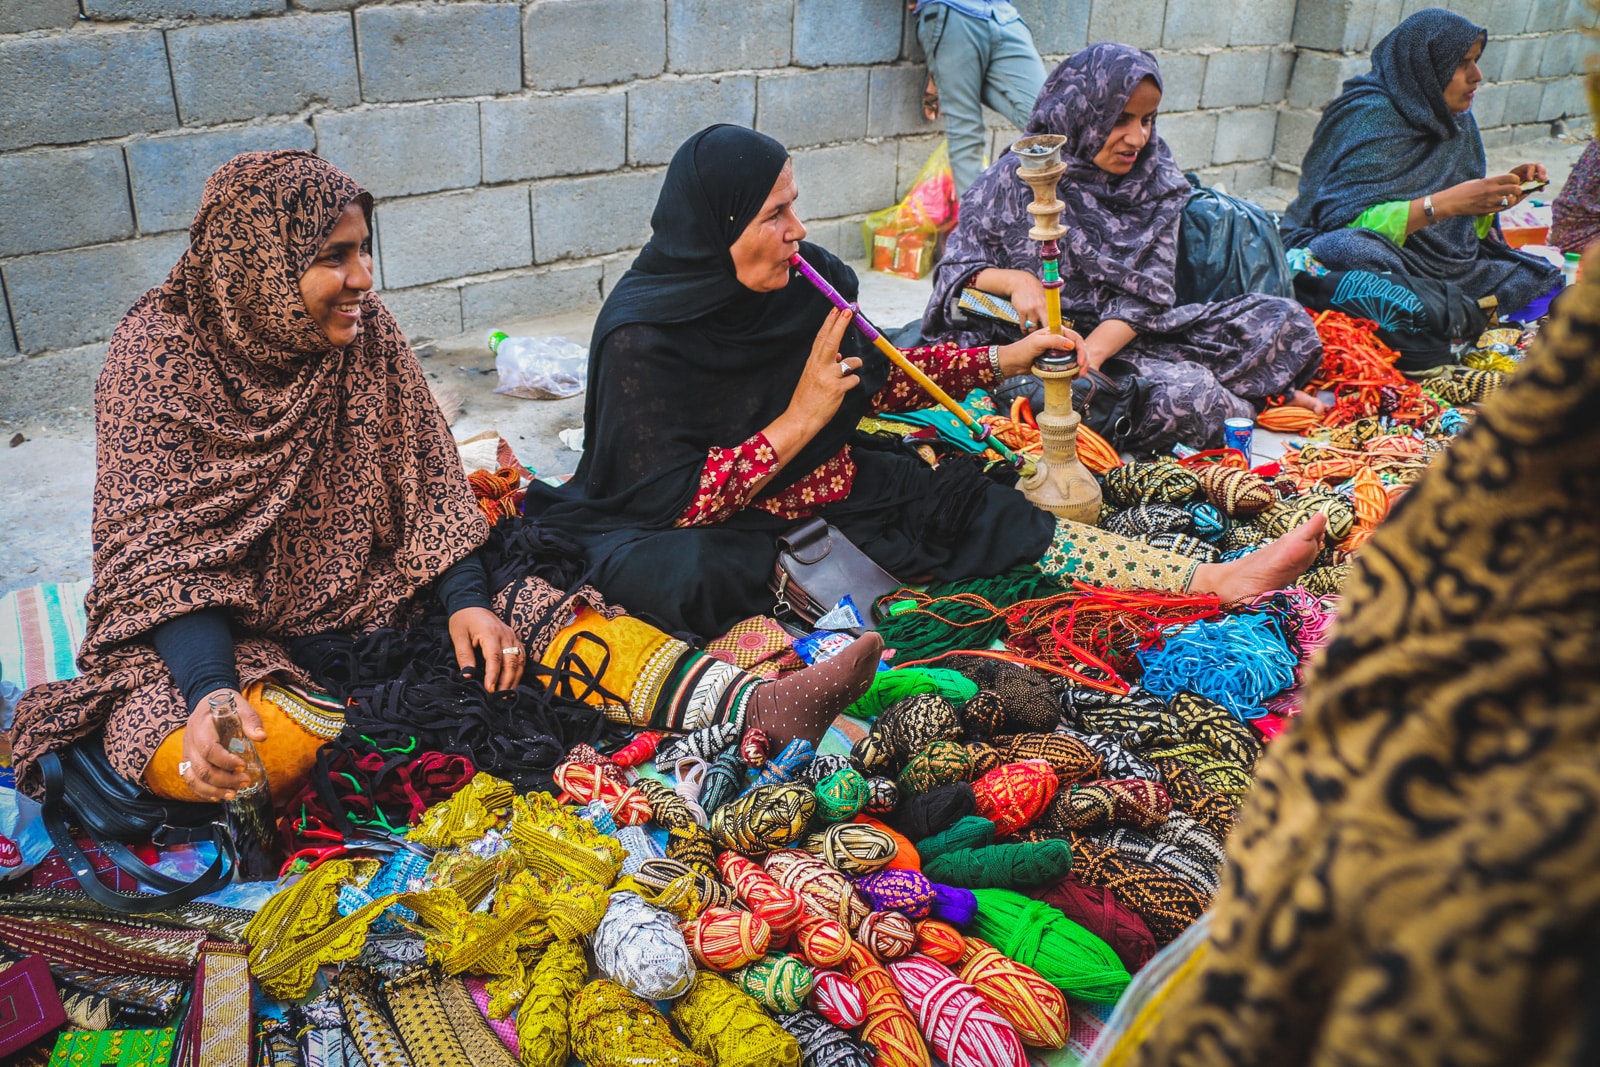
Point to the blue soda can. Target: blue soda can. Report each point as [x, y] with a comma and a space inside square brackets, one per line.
[1236, 434]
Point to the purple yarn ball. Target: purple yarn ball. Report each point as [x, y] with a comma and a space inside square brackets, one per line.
[896, 889]
[953, 905]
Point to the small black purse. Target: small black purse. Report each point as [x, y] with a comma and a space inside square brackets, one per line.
[81, 789]
[1111, 400]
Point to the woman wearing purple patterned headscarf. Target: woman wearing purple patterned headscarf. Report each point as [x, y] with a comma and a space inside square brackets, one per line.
[1123, 195]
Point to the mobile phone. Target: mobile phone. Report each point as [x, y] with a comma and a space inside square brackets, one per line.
[1532, 186]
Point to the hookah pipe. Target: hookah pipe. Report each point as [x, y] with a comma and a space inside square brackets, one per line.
[984, 435]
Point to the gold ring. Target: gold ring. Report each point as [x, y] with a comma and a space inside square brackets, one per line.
[183, 767]
[511, 651]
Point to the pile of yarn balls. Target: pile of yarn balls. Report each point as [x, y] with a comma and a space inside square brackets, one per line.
[998, 846]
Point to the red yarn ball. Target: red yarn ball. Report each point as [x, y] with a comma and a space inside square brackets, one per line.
[1014, 795]
[724, 940]
[838, 999]
[1098, 911]
[887, 935]
[822, 942]
[940, 941]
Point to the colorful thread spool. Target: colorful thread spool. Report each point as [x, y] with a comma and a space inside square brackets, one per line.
[612, 1027]
[1038, 936]
[725, 940]
[1150, 483]
[1117, 802]
[824, 765]
[730, 1028]
[585, 782]
[822, 942]
[915, 722]
[841, 795]
[1236, 493]
[783, 767]
[543, 1033]
[905, 853]
[706, 743]
[656, 875]
[1014, 795]
[822, 1044]
[768, 818]
[838, 999]
[855, 849]
[937, 763]
[907, 892]
[779, 982]
[1014, 865]
[887, 935]
[823, 890]
[755, 746]
[1037, 1009]
[963, 1029]
[1098, 911]
[953, 905]
[1070, 757]
[940, 941]
[642, 949]
[882, 796]
[1150, 519]
[781, 909]
[985, 758]
[889, 1025]
[969, 831]
[722, 782]
[642, 749]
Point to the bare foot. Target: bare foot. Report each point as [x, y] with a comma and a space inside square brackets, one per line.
[805, 703]
[1270, 567]
[1299, 398]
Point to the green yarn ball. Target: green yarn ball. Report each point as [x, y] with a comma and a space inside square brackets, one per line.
[969, 831]
[939, 763]
[1037, 935]
[841, 794]
[1017, 865]
[780, 982]
[893, 686]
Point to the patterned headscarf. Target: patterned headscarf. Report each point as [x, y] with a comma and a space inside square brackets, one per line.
[1119, 255]
[244, 462]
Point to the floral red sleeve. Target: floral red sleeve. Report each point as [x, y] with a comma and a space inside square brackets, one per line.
[958, 371]
[728, 480]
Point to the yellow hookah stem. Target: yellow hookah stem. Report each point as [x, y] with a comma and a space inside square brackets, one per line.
[899, 360]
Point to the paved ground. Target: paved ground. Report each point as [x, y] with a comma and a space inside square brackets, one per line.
[47, 479]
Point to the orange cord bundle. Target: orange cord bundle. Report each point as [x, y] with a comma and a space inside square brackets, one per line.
[499, 492]
[1288, 419]
[1020, 433]
[1359, 369]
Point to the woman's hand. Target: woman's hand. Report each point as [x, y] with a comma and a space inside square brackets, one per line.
[1531, 172]
[503, 655]
[1025, 292]
[1481, 196]
[213, 772]
[824, 382]
[1018, 357]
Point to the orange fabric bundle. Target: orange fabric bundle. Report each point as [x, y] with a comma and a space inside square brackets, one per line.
[724, 940]
[889, 1024]
[1013, 795]
[1288, 419]
[940, 941]
[822, 942]
[1360, 370]
[1019, 993]
[499, 493]
[888, 935]
[822, 890]
[1371, 499]
[585, 782]
[782, 910]
[1095, 452]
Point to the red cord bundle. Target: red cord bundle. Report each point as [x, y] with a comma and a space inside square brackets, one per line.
[1359, 369]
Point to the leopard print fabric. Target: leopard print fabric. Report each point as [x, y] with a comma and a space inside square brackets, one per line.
[243, 462]
[1416, 875]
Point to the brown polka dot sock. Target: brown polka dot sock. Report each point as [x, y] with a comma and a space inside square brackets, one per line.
[804, 703]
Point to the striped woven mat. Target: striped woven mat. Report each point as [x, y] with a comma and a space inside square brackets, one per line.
[40, 630]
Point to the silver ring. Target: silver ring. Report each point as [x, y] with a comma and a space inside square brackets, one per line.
[183, 768]
[1027, 324]
[511, 651]
[844, 369]
[1505, 201]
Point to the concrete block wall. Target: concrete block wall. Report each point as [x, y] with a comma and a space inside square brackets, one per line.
[517, 146]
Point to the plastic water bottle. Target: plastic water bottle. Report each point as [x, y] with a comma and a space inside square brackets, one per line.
[539, 368]
[1571, 268]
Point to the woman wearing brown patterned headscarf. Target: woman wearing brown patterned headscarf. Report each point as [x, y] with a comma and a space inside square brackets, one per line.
[272, 465]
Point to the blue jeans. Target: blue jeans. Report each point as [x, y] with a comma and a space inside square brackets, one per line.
[976, 62]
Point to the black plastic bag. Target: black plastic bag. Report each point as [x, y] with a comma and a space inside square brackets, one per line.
[1228, 247]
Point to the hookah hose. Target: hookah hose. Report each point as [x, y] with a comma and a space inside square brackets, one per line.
[980, 433]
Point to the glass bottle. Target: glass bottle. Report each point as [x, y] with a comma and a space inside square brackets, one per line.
[249, 814]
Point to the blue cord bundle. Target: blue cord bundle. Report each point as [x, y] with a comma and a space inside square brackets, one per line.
[1239, 661]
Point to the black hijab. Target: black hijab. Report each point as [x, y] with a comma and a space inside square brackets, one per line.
[685, 358]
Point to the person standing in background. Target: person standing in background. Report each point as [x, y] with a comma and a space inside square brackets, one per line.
[979, 52]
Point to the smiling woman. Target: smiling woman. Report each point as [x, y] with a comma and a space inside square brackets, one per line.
[340, 275]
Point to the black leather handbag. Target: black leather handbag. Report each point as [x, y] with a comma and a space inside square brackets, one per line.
[1111, 400]
[817, 565]
[81, 789]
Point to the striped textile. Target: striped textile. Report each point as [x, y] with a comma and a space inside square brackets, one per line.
[40, 631]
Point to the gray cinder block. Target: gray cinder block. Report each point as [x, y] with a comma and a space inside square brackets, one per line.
[418, 53]
[838, 32]
[530, 294]
[402, 151]
[567, 43]
[533, 137]
[662, 114]
[575, 217]
[712, 35]
[451, 235]
[846, 179]
[816, 107]
[58, 198]
[76, 297]
[228, 71]
[82, 87]
[168, 174]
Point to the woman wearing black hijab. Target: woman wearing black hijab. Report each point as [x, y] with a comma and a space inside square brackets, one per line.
[722, 408]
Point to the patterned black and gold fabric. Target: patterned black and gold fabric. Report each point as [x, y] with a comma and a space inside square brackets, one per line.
[1415, 877]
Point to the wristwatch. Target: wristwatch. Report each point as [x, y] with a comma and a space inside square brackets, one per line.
[994, 363]
[1427, 207]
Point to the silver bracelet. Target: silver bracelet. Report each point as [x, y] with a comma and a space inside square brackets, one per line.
[1427, 207]
[994, 363]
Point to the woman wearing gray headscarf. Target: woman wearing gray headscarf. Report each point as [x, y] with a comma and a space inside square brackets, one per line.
[1123, 198]
[1395, 176]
